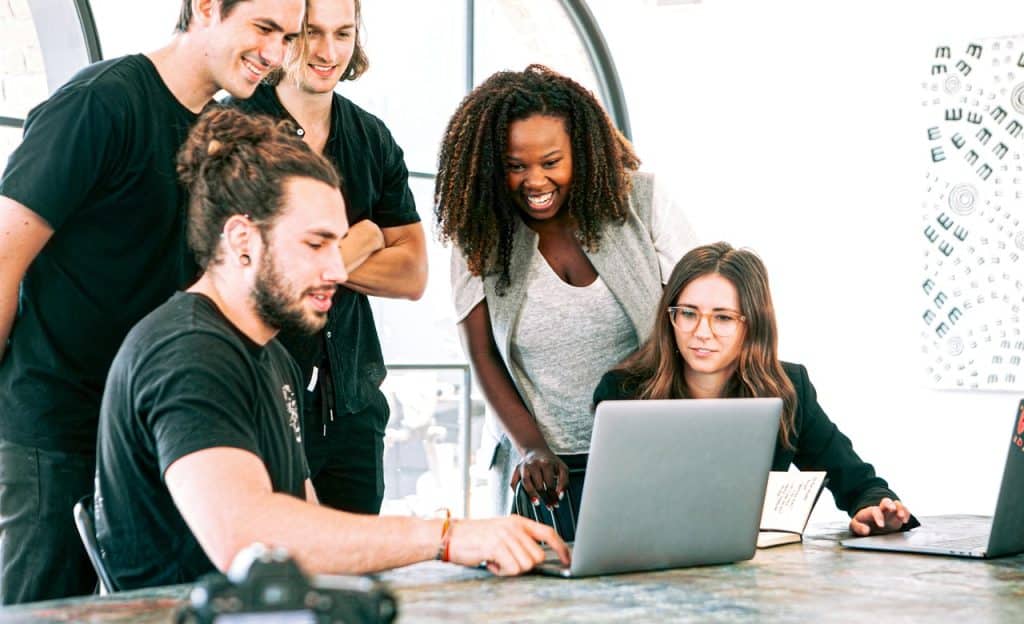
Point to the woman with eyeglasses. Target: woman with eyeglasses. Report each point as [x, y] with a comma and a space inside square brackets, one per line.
[560, 245]
[715, 337]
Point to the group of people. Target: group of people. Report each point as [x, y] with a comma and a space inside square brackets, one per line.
[186, 335]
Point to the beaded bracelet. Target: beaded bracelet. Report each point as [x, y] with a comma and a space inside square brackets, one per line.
[446, 536]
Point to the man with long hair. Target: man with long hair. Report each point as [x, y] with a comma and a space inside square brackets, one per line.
[91, 224]
[385, 250]
[200, 456]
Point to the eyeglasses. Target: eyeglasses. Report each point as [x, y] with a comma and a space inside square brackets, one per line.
[722, 322]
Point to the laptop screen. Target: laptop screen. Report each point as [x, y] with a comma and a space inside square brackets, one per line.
[1007, 534]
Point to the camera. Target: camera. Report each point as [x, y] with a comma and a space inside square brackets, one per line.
[265, 585]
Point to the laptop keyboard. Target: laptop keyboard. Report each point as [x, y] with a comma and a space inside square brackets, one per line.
[551, 557]
[971, 542]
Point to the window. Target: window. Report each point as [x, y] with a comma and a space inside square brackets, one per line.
[419, 72]
[22, 74]
[129, 27]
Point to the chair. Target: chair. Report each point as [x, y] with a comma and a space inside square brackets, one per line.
[85, 523]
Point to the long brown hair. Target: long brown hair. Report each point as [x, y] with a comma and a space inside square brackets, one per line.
[656, 368]
[473, 207]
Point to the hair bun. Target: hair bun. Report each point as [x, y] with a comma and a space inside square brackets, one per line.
[214, 142]
[237, 163]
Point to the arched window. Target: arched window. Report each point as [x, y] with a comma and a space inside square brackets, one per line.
[425, 57]
[22, 71]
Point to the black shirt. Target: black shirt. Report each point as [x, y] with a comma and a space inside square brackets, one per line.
[162, 403]
[98, 164]
[376, 184]
[819, 445]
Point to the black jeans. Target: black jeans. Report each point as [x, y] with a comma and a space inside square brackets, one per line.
[346, 464]
[41, 555]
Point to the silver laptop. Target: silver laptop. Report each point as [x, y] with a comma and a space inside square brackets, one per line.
[672, 483]
[970, 536]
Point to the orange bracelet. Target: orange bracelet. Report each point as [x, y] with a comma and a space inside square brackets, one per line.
[446, 536]
[447, 543]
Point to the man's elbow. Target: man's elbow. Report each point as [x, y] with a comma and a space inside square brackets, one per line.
[221, 555]
[222, 549]
[416, 281]
[417, 292]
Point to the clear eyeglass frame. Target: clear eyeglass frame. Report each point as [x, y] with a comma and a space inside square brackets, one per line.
[722, 323]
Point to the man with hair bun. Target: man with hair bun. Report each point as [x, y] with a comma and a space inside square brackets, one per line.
[385, 251]
[198, 457]
[91, 240]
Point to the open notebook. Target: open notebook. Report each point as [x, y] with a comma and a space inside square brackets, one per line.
[789, 499]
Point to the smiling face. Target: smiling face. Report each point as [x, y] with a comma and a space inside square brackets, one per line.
[538, 165]
[704, 353]
[301, 264]
[249, 42]
[329, 42]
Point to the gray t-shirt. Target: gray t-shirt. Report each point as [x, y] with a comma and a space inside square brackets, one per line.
[564, 341]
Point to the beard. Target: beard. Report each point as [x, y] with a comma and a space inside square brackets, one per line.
[279, 304]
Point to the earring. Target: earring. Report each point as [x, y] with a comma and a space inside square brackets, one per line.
[245, 260]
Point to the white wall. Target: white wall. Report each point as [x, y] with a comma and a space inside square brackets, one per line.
[795, 127]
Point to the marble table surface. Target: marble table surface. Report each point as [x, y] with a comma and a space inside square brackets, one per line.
[815, 581]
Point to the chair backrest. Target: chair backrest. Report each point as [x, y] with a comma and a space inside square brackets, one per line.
[84, 522]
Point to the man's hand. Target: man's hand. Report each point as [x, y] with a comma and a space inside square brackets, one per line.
[508, 546]
[386, 262]
[544, 476]
[885, 517]
[361, 241]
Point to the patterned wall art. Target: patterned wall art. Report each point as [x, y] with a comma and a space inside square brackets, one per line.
[972, 282]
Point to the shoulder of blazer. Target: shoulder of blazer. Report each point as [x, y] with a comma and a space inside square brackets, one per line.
[641, 196]
[797, 374]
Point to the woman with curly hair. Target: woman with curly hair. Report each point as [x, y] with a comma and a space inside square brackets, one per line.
[715, 337]
[560, 245]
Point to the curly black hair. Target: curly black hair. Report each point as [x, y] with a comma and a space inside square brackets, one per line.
[472, 206]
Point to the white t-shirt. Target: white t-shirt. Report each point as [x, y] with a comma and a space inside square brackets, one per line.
[567, 337]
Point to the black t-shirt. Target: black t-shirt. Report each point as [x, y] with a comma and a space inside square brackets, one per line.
[97, 163]
[161, 403]
[376, 182]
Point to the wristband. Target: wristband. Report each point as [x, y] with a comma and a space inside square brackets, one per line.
[446, 536]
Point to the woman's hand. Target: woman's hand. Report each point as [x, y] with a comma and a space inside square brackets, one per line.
[885, 517]
[544, 475]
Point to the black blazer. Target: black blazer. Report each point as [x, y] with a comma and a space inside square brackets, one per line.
[818, 443]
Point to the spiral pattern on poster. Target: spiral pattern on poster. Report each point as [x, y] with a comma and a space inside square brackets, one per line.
[1017, 98]
[955, 345]
[962, 198]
